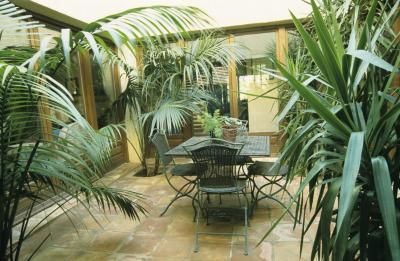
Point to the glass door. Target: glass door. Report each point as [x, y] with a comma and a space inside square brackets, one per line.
[257, 89]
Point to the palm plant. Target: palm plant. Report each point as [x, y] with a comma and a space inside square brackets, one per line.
[35, 164]
[345, 143]
[175, 83]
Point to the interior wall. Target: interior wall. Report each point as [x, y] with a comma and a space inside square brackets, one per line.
[262, 111]
[133, 140]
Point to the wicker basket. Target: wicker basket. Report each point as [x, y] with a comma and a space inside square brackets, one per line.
[229, 132]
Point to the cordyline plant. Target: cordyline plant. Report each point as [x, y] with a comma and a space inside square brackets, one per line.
[35, 164]
[345, 142]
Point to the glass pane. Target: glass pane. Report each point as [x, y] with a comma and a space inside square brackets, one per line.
[253, 82]
[71, 82]
[219, 84]
[12, 37]
[294, 43]
[104, 92]
[220, 91]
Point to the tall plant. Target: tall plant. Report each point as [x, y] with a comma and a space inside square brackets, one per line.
[35, 164]
[345, 143]
[173, 85]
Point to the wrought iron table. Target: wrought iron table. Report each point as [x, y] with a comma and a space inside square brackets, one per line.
[254, 146]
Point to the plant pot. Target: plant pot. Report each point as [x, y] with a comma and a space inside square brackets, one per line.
[229, 132]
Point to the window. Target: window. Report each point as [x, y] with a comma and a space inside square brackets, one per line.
[105, 92]
[254, 82]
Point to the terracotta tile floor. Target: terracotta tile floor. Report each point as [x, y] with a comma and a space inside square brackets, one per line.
[171, 237]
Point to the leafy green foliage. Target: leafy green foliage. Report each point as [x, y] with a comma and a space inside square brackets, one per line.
[173, 85]
[212, 123]
[36, 163]
[343, 129]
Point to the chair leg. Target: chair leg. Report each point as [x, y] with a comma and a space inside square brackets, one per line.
[246, 252]
[177, 196]
[247, 221]
[184, 191]
[196, 242]
[196, 212]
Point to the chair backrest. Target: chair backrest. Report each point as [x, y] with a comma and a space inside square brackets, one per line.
[215, 165]
[160, 141]
[231, 144]
[211, 141]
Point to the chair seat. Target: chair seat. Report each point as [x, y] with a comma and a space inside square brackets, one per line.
[187, 169]
[240, 185]
[263, 168]
[242, 160]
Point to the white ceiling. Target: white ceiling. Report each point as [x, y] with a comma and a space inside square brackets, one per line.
[224, 12]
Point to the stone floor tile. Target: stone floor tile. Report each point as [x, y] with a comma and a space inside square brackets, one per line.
[52, 253]
[175, 247]
[107, 241]
[170, 237]
[180, 227]
[288, 251]
[256, 253]
[153, 225]
[132, 257]
[212, 251]
[120, 223]
[89, 256]
[141, 245]
[71, 238]
[285, 233]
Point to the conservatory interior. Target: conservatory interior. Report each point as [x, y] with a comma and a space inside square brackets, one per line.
[199, 130]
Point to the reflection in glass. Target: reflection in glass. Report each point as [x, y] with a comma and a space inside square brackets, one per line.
[220, 91]
[70, 80]
[253, 82]
[104, 92]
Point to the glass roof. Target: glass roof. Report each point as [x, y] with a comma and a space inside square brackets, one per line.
[225, 13]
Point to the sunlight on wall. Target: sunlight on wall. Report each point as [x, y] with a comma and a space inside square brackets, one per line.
[133, 144]
[262, 111]
[225, 13]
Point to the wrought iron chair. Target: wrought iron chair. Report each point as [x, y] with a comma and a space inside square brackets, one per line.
[171, 170]
[217, 173]
[273, 173]
[241, 161]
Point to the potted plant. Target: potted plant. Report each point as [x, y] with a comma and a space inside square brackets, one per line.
[232, 127]
[211, 123]
[224, 127]
[344, 142]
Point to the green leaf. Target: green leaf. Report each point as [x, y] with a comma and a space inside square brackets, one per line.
[327, 213]
[315, 102]
[383, 189]
[341, 242]
[351, 169]
[66, 45]
[93, 45]
[373, 59]
[316, 169]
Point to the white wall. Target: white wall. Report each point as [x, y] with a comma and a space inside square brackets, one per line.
[225, 12]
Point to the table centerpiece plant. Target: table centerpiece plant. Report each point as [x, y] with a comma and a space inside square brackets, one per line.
[221, 126]
[211, 123]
